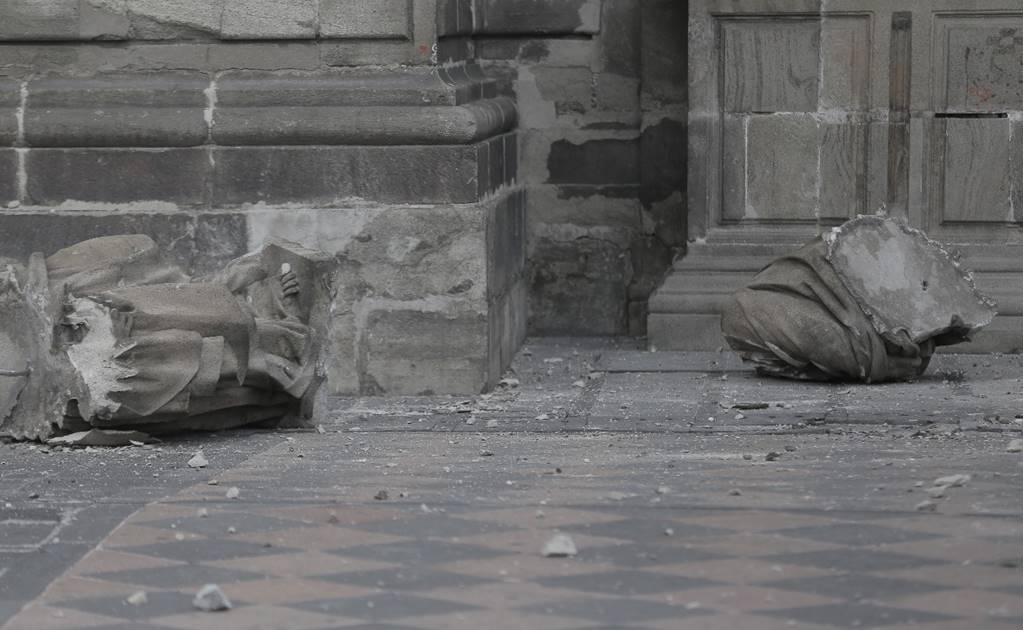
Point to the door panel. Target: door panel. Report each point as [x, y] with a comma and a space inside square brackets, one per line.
[973, 154]
[794, 121]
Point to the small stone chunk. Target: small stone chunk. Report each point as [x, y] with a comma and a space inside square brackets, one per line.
[137, 598]
[926, 506]
[952, 481]
[560, 546]
[772, 456]
[211, 599]
[663, 490]
[233, 492]
[381, 496]
[198, 460]
[1015, 446]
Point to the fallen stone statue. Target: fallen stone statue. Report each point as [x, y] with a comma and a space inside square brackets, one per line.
[104, 335]
[867, 301]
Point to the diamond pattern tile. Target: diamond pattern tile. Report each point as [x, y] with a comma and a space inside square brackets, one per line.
[207, 550]
[417, 552]
[313, 550]
[412, 578]
[625, 582]
[861, 560]
[852, 615]
[645, 530]
[647, 555]
[436, 526]
[857, 586]
[384, 606]
[856, 534]
[177, 576]
[217, 523]
[158, 604]
[615, 611]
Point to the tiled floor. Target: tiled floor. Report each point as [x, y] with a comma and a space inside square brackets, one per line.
[661, 543]
[654, 463]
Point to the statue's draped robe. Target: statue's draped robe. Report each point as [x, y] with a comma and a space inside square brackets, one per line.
[175, 349]
[797, 320]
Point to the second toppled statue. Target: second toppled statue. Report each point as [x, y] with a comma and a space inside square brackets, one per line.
[867, 301]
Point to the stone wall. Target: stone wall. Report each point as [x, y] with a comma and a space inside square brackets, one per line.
[360, 128]
[601, 90]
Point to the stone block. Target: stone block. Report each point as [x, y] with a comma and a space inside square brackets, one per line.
[159, 111]
[336, 88]
[770, 66]
[374, 52]
[507, 329]
[978, 61]
[843, 171]
[34, 20]
[506, 244]
[664, 54]
[323, 175]
[141, 58]
[978, 170]
[454, 17]
[662, 154]
[616, 92]
[10, 101]
[263, 56]
[454, 50]
[357, 19]
[198, 243]
[620, 37]
[577, 286]
[30, 60]
[569, 90]
[326, 125]
[103, 20]
[781, 168]
[845, 46]
[495, 162]
[217, 238]
[561, 17]
[175, 19]
[8, 176]
[175, 176]
[598, 162]
[269, 19]
[423, 352]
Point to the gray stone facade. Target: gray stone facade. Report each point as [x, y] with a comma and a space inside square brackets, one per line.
[601, 90]
[213, 124]
[434, 147]
[805, 113]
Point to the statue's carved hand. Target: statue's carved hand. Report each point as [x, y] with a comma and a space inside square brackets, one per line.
[289, 283]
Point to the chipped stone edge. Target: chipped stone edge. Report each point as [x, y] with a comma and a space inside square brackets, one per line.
[882, 327]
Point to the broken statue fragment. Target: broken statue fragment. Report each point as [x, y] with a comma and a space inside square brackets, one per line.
[867, 301]
[104, 335]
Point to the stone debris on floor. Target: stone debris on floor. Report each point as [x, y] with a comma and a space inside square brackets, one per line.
[676, 521]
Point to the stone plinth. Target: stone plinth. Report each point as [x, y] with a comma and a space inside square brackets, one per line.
[211, 125]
